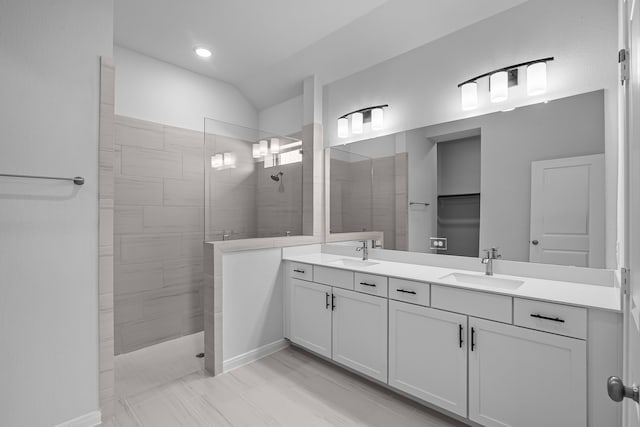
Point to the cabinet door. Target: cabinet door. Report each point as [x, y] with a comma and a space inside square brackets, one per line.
[524, 378]
[428, 355]
[310, 309]
[360, 332]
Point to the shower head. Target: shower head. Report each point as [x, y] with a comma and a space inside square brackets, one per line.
[277, 176]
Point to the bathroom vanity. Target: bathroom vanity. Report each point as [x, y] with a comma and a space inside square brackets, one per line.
[490, 350]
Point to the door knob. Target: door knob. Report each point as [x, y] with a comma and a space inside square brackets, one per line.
[618, 391]
[534, 242]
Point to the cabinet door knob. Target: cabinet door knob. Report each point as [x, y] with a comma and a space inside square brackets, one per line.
[534, 242]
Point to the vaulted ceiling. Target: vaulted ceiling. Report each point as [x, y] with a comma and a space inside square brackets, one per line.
[267, 47]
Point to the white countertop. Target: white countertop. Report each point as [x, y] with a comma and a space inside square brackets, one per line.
[594, 296]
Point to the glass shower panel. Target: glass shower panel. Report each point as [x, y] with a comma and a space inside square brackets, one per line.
[252, 183]
[351, 191]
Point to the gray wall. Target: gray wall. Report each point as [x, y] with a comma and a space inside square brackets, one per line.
[49, 81]
[159, 228]
[459, 166]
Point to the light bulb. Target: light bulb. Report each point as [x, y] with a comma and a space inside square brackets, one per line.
[499, 86]
[264, 147]
[216, 161]
[537, 78]
[356, 123]
[255, 151]
[469, 95]
[343, 127]
[377, 119]
[275, 145]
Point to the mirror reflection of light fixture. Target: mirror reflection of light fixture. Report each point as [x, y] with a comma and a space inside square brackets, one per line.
[373, 114]
[255, 151]
[469, 93]
[228, 159]
[537, 78]
[275, 146]
[499, 86]
[216, 161]
[264, 147]
[501, 79]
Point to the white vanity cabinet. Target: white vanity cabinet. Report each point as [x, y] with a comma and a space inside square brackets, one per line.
[310, 316]
[428, 355]
[360, 332]
[524, 378]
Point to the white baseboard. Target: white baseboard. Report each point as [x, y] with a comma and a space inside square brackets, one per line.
[91, 419]
[253, 355]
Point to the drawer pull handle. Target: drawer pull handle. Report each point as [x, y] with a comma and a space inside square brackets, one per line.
[473, 338]
[333, 302]
[406, 292]
[368, 284]
[460, 335]
[326, 300]
[553, 319]
[298, 271]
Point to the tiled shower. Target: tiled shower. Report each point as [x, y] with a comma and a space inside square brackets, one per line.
[168, 200]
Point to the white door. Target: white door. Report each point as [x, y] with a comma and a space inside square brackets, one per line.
[524, 378]
[567, 211]
[360, 332]
[632, 232]
[428, 355]
[310, 310]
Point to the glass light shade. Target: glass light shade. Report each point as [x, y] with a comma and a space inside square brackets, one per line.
[499, 86]
[216, 161]
[229, 159]
[356, 123]
[377, 119]
[343, 127]
[537, 78]
[469, 95]
[264, 147]
[255, 151]
[275, 145]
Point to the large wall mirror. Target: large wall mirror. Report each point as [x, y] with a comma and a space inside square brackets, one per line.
[530, 181]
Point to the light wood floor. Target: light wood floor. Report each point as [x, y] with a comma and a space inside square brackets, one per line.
[165, 385]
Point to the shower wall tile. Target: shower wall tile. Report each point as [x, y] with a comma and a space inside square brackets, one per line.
[136, 278]
[153, 163]
[172, 218]
[138, 191]
[138, 133]
[137, 248]
[177, 139]
[183, 192]
[128, 219]
[192, 165]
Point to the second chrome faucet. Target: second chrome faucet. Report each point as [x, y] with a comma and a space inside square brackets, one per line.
[365, 250]
[492, 253]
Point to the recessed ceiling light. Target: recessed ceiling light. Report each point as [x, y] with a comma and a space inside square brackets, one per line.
[202, 52]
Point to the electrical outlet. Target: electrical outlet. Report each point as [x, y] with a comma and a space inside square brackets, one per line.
[438, 243]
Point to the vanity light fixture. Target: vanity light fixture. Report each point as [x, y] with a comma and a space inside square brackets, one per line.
[374, 114]
[216, 161]
[501, 79]
[255, 151]
[264, 147]
[275, 146]
[202, 52]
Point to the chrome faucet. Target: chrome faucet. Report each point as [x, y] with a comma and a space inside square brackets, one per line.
[492, 254]
[365, 250]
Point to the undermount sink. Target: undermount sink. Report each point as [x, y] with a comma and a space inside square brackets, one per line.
[349, 262]
[482, 279]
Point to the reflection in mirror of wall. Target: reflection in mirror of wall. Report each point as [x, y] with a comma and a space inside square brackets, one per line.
[242, 197]
[398, 184]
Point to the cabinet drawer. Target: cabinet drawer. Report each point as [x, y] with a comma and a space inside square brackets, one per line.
[409, 291]
[333, 277]
[550, 317]
[301, 271]
[371, 284]
[472, 303]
